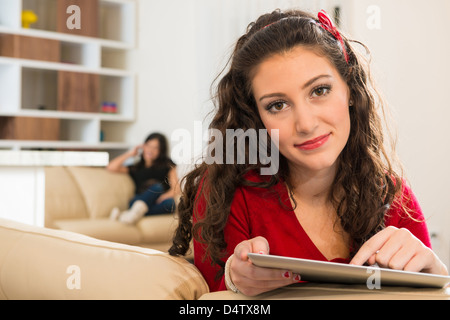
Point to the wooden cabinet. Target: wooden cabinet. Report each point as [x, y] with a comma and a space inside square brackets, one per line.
[24, 47]
[28, 128]
[67, 15]
[78, 92]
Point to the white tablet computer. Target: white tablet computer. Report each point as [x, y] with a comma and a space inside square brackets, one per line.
[321, 271]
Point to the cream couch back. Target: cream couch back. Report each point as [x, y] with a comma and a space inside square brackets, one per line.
[80, 192]
[40, 263]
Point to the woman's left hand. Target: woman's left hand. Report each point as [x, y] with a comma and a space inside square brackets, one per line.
[163, 197]
[399, 249]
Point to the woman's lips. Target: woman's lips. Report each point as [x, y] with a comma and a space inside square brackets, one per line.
[314, 143]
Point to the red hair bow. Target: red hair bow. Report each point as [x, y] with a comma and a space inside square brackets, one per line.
[327, 24]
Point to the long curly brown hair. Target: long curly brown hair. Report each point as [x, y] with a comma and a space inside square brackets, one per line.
[366, 182]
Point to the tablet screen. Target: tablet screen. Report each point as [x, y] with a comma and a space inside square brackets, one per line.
[321, 271]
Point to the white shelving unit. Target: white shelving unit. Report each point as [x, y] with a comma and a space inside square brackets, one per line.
[25, 85]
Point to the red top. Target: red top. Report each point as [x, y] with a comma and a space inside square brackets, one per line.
[259, 212]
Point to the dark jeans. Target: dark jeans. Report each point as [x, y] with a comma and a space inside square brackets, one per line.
[150, 196]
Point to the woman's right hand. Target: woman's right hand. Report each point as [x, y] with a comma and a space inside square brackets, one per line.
[135, 151]
[116, 164]
[252, 280]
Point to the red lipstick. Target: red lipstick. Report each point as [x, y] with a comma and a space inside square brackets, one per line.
[314, 143]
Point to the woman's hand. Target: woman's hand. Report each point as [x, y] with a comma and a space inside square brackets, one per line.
[116, 164]
[252, 280]
[399, 249]
[174, 187]
[135, 151]
[163, 197]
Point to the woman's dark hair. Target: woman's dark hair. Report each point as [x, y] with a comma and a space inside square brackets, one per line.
[366, 182]
[163, 158]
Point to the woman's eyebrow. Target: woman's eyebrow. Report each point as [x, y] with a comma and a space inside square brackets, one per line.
[310, 82]
[271, 95]
[307, 84]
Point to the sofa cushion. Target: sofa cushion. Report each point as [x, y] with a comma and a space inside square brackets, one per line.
[157, 229]
[63, 199]
[103, 190]
[39, 263]
[103, 229]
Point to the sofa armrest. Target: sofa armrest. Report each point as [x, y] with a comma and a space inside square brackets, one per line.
[40, 263]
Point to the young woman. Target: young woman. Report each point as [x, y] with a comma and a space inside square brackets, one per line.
[155, 178]
[336, 196]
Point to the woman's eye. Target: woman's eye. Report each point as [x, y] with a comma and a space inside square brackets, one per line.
[321, 91]
[276, 106]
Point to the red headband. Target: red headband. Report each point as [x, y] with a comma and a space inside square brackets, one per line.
[327, 24]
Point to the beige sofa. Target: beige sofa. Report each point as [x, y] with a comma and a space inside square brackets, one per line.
[80, 199]
[42, 263]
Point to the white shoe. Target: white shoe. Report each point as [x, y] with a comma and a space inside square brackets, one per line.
[135, 213]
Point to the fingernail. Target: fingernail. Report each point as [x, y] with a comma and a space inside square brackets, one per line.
[261, 252]
[297, 277]
[287, 274]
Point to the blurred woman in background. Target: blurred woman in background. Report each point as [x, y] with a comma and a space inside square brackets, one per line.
[155, 178]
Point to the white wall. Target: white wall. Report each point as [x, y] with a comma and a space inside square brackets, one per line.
[410, 56]
[183, 43]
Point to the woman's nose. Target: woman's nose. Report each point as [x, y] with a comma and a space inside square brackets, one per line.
[305, 118]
